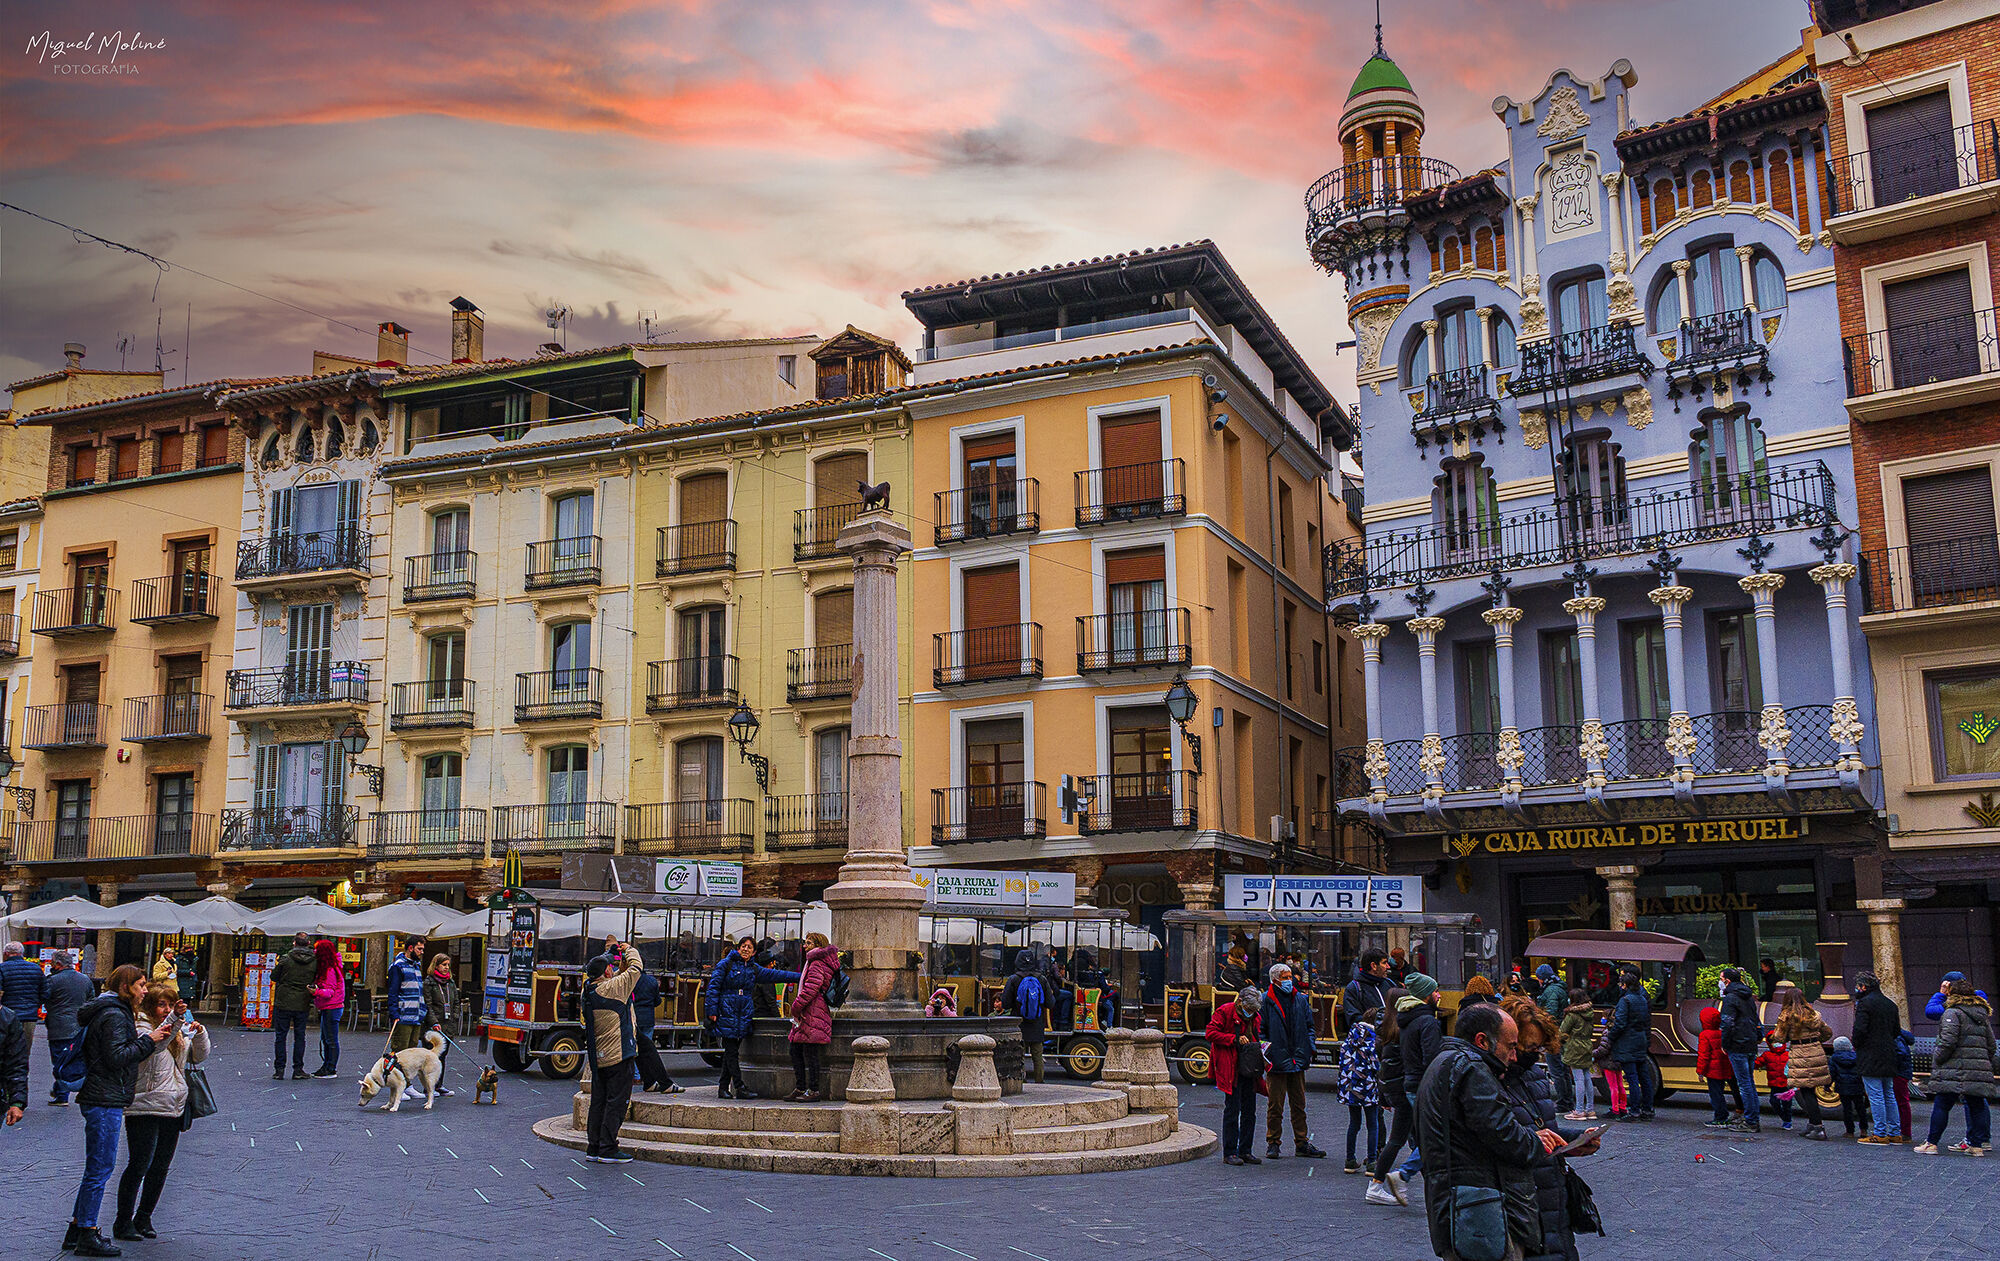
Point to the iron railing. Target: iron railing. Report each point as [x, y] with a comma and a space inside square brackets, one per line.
[430, 703]
[989, 510]
[116, 837]
[1369, 190]
[814, 530]
[989, 812]
[1950, 348]
[1923, 167]
[80, 610]
[697, 547]
[719, 825]
[291, 827]
[986, 654]
[305, 552]
[552, 827]
[1461, 396]
[1931, 575]
[1587, 354]
[1141, 801]
[1718, 343]
[427, 834]
[806, 821]
[1795, 497]
[10, 635]
[321, 683]
[441, 576]
[176, 598]
[1131, 492]
[174, 716]
[691, 683]
[70, 725]
[571, 562]
[547, 694]
[1146, 639]
[819, 674]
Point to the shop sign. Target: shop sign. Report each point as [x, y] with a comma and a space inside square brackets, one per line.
[1697, 904]
[965, 886]
[1630, 836]
[521, 959]
[1324, 895]
[698, 879]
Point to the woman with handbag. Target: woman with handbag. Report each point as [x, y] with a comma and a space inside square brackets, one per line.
[1532, 1092]
[158, 1111]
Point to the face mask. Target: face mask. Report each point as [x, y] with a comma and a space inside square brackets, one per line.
[1286, 986]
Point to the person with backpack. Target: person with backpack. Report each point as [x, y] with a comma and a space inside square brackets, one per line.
[822, 987]
[1742, 1031]
[1026, 999]
[68, 991]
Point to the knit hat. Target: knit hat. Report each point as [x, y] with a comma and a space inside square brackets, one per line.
[1420, 985]
[1949, 977]
[1545, 974]
[1842, 1044]
[597, 967]
[1731, 974]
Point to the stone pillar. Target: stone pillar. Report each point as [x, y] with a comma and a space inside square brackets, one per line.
[874, 903]
[1744, 253]
[1616, 203]
[1486, 336]
[1534, 315]
[1772, 733]
[1621, 297]
[1846, 728]
[1431, 760]
[981, 1124]
[1680, 727]
[1681, 268]
[869, 1123]
[1150, 1089]
[1591, 744]
[1885, 936]
[1432, 344]
[1507, 747]
[220, 947]
[1621, 894]
[1117, 1057]
[107, 938]
[1375, 764]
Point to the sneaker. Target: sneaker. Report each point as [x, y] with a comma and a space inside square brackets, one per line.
[619, 1157]
[1925, 1149]
[1576, 1116]
[1966, 1149]
[300, 1074]
[1271, 1152]
[445, 1092]
[1352, 1166]
[1746, 1127]
[1719, 1123]
[277, 1074]
[1232, 1160]
[1248, 1159]
[1381, 1193]
[58, 1103]
[1396, 1188]
[1786, 1126]
[326, 1072]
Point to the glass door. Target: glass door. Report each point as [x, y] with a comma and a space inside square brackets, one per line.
[1142, 761]
[72, 838]
[575, 524]
[444, 673]
[568, 788]
[309, 654]
[701, 654]
[994, 769]
[173, 814]
[443, 781]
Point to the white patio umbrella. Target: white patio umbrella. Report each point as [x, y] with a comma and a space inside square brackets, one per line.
[410, 916]
[218, 914]
[153, 914]
[471, 924]
[303, 915]
[61, 913]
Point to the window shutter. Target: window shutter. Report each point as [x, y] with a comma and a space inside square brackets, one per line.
[350, 505]
[127, 462]
[833, 618]
[281, 511]
[1146, 564]
[992, 597]
[990, 447]
[214, 445]
[1130, 440]
[1923, 299]
[835, 479]
[1932, 333]
[1910, 148]
[265, 792]
[1947, 506]
[704, 498]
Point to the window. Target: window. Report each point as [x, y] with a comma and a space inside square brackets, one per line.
[991, 599]
[173, 814]
[1135, 591]
[575, 551]
[10, 551]
[1666, 306]
[567, 786]
[451, 540]
[444, 670]
[371, 438]
[190, 577]
[1580, 304]
[336, 438]
[994, 771]
[1319, 668]
[1284, 525]
[1458, 340]
[703, 538]
[1767, 282]
[1504, 354]
[302, 450]
[1933, 332]
[1142, 763]
[1730, 469]
[1478, 687]
[990, 484]
[1948, 525]
[182, 711]
[1645, 648]
[1715, 281]
[81, 687]
[1965, 723]
[1733, 667]
[167, 449]
[1289, 616]
[90, 588]
[1910, 150]
[214, 445]
[273, 453]
[1562, 679]
[569, 654]
[72, 839]
[320, 521]
[702, 631]
[788, 369]
[595, 396]
[698, 774]
[1593, 488]
[124, 459]
[1416, 360]
[442, 788]
[1466, 506]
[309, 652]
[82, 466]
[299, 793]
[481, 413]
[830, 772]
[1129, 448]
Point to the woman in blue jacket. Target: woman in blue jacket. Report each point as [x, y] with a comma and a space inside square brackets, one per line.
[730, 999]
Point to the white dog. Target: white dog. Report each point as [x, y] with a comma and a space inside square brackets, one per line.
[423, 1065]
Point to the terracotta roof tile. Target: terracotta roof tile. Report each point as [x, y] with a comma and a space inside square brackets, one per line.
[1060, 267]
[448, 371]
[221, 385]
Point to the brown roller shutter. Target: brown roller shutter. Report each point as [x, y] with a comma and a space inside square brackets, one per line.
[1144, 564]
[1932, 333]
[1947, 506]
[704, 497]
[991, 447]
[833, 618]
[992, 597]
[1131, 440]
[214, 445]
[835, 479]
[1910, 148]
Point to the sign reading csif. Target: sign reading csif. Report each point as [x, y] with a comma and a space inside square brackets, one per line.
[1325, 895]
[703, 879]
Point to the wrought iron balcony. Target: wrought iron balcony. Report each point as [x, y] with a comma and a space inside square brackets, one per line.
[84, 610]
[987, 654]
[176, 598]
[806, 821]
[1131, 492]
[269, 828]
[1893, 174]
[10, 635]
[345, 552]
[1801, 496]
[339, 683]
[1143, 640]
[1721, 346]
[431, 703]
[814, 530]
[819, 674]
[573, 562]
[118, 837]
[1931, 575]
[1568, 359]
[556, 826]
[719, 825]
[1369, 192]
[175, 716]
[427, 834]
[989, 812]
[1911, 355]
[1458, 403]
[697, 547]
[691, 683]
[440, 576]
[71, 725]
[559, 694]
[1143, 801]
[988, 510]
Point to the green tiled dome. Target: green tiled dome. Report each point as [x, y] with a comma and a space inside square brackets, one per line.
[1378, 73]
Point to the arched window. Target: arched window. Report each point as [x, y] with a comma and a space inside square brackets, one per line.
[336, 438]
[1593, 487]
[371, 438]
[1466, 507]
[1504, 355]
[1665, 308]
[302, 446]
[274, 454]
[1731, 471]
[1415, 364]
[1767, 282]
[1715, 281]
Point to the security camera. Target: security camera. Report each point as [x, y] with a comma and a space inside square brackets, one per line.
[1218, 395]
[1219, 421]
[1210, 380]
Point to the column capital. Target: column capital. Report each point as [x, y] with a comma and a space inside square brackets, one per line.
[1746, 252]
[1753, 583]
[1664, 596]
[1506, 614]
[1526, 205]
[1371, 632]
[1611, 179]
[1628, 872]
[1833, 572]
[1682, 266]
[874, 536]
[1584, 606]
[1422, 626]
[1879, 906]
[1431, 326]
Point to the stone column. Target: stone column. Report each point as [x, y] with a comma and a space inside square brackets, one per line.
[1885, 935]
[1590, 736]
[1150, 1088]
[1431, 344]
[981, 1124]
[1616, 202]
[1507, 749]
[107, 938]
[220, 948]
[1681, 268]
[1621, 297]
[1744, 253]
[1846, 728]
[874, 903]
[1534, 315]
[1117, 1058]
[1375, 764]
[1486, 336]
[1431, 759]
[1772, 733]
[1680, 740]
[1621, 894]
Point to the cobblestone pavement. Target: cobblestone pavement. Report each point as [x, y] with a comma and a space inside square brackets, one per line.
[296, 1170]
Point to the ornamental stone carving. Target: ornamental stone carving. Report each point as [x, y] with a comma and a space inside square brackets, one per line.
[1847, 730]
[1371, 329]
[1534, 429]
[1838, 571]
[1584, 606]
[1772, 733]
[1534, 316]
[1431, 762]
[1594, 748]
[1639, 407]
[1507, 614]
[1375, 764]
[1663, 596]
[1619, 291]
[1680, 742]
[1753, 583]
[1565, 116]
[1371, 632]
[1508, 754]
[1422, 626]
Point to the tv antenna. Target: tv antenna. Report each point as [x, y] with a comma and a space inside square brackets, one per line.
[160, 352]
[126, 344]
[557, 318]
[646, 321]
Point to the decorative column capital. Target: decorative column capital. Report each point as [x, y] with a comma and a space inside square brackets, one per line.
[1584, 606]
[1847, 729]
[1505, 615]
[1754, 583]
[1431, 326]
[1611, 179]
[1371, 632]
[1772, 733]
[1526, 205]
[1746, 252]
[1422, 627]
[1430, 760]
[1674, 596]
[1508, 753]
[1833, 573]
[1681, 266]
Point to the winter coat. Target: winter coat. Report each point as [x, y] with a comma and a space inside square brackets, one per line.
[330, 994]
[1805, 1038]
[645, 1005]
[1631, 1025]
[1710, 1060]
[1532, 1093]
[440, 998]
[15, 1035]
[1774, 1062]
[1471, 1136]
[1287, 1020]
[1963, 1063]
[23, 988]
[68, 990]
[1876, 1023]
[942, 1004]
[1362, 995]
[291, 981]
[161, 1088]
[1846, 1070]
[1358, 1067]
[1742, 1026]
[1906, 1065]
[1422, 1038]
[609, 1035]
[1224, 1027]
[729, 999]
[164, 969]
[812, 1019]
[1026, 965]
[406, 991]
[112, 1053]
[1578, 1031]
[1554, 999]
[1388, 1067]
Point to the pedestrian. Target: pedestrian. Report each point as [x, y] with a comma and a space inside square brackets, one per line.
[113, 1049]
[1368, 991]
[1287, 1020]
[1840, 1058]
[159, 1101]
[64, 996]
[942, 1003]
[23, 987]
[441, 999]
[329, 995]
[1576, 1034]
[86, 959]
[1713, 1064]
[1905, 1069]
[14, 1038]
[1876, 1023]
[1630, 1030]
[185, 980]
[652, 1072]
[1807, 1068]
[1552, 997]
[610, 1041]
[1235, 971]
[1419, 1038]
[1742, 1031]
[1768, 977]
[406, 997]
[165, 968]
[1531, 1087]
[1399, 965]
[1962, 1068]
[729, 1000]
[1478, 990]
[1935, 1007]
[1236, 1063]
[292, 984]
[1360, 1075]
[1385, 1185]
[812, 1020]
[1774, 1061]
[1026, 997]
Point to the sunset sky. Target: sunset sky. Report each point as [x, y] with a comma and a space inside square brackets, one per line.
[738, 168]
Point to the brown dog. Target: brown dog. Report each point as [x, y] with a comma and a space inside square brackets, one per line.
[489, 1084]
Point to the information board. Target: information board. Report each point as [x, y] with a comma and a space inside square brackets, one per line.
[703, 879]
[257, 969]
[521, 955]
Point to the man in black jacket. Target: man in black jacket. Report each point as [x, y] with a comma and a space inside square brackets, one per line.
[292, 1005]
[1368, 991]
[1877, 1021]
[14, 1038]
[68, 991]
[1742, 1032]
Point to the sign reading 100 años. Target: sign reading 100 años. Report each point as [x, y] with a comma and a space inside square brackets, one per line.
[1629, 836]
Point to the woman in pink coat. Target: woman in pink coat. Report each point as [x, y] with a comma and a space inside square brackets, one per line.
[812, 1019]
[329, 993]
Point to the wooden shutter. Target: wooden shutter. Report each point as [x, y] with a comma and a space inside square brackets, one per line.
[992, 597]
[1923, 299]
[214, 445]
[81, 685]
[1144, 564]
[833, 618]
[1932, 334]
[704, 497]
[1130, 440]
[835, 479]
[1910, 148]
[1947, 506]
[126, 463]
[995, 446]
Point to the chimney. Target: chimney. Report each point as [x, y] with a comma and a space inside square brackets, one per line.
[468, 332]
[73, 354]
[392, 345]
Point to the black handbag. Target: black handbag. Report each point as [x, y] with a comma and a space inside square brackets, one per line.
[1476, 1217]
[1584, 1219]
[200, 1100]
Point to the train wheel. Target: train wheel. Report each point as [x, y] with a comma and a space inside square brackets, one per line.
[1661, 1092]
[507, 1057]
[1086, 1057]
[1191, 1058]
[562, 1056]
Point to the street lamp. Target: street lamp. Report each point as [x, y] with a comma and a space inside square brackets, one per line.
[1181, 702]
[24, 798]
[354, 740]
[743, 726]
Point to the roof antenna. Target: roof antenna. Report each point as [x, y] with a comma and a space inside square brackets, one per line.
[1378, 30]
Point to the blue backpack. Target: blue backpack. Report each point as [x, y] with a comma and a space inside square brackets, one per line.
[1028, 998]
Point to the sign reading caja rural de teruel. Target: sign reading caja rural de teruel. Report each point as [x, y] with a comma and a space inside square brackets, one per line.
[1775, 831]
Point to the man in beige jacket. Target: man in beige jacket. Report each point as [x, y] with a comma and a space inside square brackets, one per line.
[612, 1045]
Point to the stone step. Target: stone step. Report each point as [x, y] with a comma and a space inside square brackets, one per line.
[681, 1112]
[1128, 1131]
[1104, 1106]
[785, 1140]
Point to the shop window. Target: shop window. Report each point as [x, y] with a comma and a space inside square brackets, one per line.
[1964, 715]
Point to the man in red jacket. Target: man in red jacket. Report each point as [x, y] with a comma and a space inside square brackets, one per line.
[1236, 1062]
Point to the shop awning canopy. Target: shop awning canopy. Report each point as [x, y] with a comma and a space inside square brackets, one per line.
[153, 914]
[1614, 945]
[411, 916]
[218, 915]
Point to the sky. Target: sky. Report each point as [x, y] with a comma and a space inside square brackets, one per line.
[725, 168]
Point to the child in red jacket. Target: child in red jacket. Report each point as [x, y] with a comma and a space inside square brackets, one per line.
[1774, 1063]
[1712, 1062]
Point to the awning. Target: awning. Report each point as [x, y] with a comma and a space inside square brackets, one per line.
[1614, 946]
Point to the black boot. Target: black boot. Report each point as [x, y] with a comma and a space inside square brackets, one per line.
[122, 1229]
[92, 1244]
[142, 1222]
[70, 1236]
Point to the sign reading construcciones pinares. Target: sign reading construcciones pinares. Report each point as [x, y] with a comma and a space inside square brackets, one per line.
[1630, 836]
[1324, 895]
[710, 880]
[964, 886]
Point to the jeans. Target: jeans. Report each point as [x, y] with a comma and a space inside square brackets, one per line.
[1031, 1045]
[610, 1096]
[1783, 1107]
[1583, 1089]
[1239, 1119]
[1285, 1086]
[329, 1039]
[1978, 1118]
[1565, 1087]
[295, 1022]
[1413, 1164]
[1746, 1077]
[1718, 1099]
[805, 1065]
[1638, 1086]
[1371, 1115]
[100, 1159]
[149, 1143]
[59, 1051]
[1881, 1105]
[1902, 1086]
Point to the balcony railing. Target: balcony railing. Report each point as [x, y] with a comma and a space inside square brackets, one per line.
[989, 812]
[1931, 575]
[819, 674]
[553, 827]
[10, 635]
[342, 683]
[1131, 492]
[987, 654]
[720, 825]
[1902, 358]
[806, 821]
[71, 725]
[573, 562]
[1719, 342]
[81, 610]
[1369, 190]
[1923, 167]
[427, 834]
[176, 598]
[305, 552]
[441, 576]
[1049, 336]
[1146, 639]
[815, 529]
[989, 510]
[1801, 496]
[691, 683]
[117, 837]
[696, 548]
[558, 694]
[430, 703]
[290, 827]
[1143, 801]
[175, 716]
[1460, 397]
[1588, 354]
